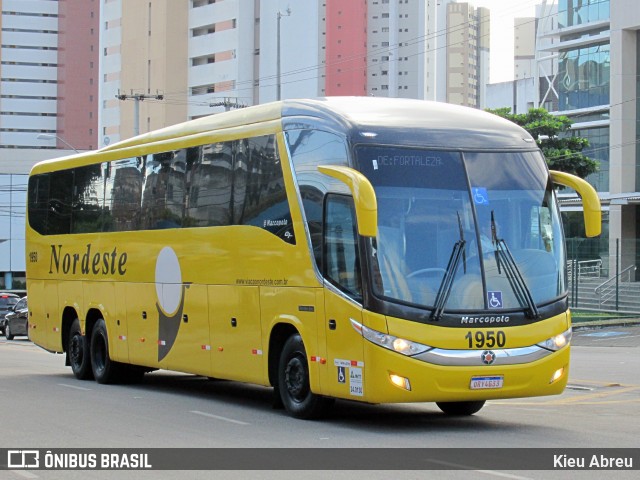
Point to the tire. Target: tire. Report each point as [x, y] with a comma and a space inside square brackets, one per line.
[7, 332]
[104, 369]
[461, 408]
[293, 383]
[78, 353]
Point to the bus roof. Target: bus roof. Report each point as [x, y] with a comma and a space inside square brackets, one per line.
[409, 121]
[395, 120]
[384, 120]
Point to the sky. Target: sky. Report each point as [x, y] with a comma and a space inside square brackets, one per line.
[502, 14]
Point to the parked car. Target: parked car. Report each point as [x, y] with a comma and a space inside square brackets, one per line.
[7, 300]
[16, 322]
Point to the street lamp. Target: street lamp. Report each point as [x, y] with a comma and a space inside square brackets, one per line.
[49, 136]
[280, 15]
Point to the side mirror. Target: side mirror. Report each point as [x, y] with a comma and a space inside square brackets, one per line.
[364, 197]
[590, 200]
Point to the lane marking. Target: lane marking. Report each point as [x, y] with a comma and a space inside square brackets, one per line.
[620, 337]
[603, 384]
[488, 472]
[578, 387]
[217, 417]
[74, 387]
[591, 396]
[23, 474]
[603, 334]
[604, 402]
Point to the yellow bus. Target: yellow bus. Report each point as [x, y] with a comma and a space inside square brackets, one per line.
[376, 250]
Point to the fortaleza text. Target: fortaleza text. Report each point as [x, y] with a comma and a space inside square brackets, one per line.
[595, 461]
[71, 263]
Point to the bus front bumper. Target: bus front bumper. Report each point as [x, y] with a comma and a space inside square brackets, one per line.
[446, 376]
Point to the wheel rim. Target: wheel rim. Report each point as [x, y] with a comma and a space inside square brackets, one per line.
[295, 378]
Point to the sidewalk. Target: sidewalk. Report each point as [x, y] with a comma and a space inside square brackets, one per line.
[610, 322]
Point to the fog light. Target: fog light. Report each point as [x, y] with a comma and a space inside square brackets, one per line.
[558, 373]
[399, 381]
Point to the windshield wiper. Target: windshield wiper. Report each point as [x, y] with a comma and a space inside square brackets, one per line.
[444, 290]
[516, 280]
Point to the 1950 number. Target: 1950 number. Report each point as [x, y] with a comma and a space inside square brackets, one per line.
[486, 339]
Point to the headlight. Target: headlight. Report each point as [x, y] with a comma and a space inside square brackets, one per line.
[400, 345]
[557, 342]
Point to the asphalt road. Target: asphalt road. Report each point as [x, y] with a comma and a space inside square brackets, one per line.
[44, 406]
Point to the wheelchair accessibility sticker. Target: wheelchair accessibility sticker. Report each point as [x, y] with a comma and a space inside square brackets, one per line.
[494, 299]
[480, 195]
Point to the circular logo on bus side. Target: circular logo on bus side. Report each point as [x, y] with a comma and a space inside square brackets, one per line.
[488, 357]
[170, 292]
[168, 280]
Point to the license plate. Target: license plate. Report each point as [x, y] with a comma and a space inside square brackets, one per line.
[480, 383]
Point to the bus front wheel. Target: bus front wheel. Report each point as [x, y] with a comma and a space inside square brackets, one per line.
[104, 369]
[460, 408]
[293, 382]
[78, 352]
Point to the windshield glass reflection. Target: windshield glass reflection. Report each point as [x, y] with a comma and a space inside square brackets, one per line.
[430, 252]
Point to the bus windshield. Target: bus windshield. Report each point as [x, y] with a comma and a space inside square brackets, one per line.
[464, 230]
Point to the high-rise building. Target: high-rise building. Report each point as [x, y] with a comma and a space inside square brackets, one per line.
[143, 58]
[584, 76]
[49, 81]
[624, 132]
[598, 87]
[524, 47]
[346, 47]
[401, 48]
[467, 54]
[173, 60]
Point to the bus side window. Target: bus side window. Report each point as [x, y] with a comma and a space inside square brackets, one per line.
[310, 148]
[60, 199]
[209, 192]
[123, 193]
[342, 262]
[39, 203]
[88, 199]
[260, 197]
[164, 190]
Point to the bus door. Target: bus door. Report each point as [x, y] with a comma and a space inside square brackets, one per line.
[344, 345]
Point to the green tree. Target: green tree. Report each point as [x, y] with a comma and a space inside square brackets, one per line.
[552, 133]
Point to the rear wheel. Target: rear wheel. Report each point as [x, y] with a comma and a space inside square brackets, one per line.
[7, 332]
[104, 369]
[460, 408]
[293, 382]
[78, 352]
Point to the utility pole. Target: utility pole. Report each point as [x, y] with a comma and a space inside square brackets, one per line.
[228, 104]
[279, 87]
[137, 98]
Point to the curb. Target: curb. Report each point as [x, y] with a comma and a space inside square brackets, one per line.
[614, 322]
